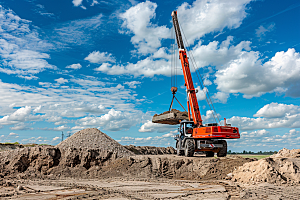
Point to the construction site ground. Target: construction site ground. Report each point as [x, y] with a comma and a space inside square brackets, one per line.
[114, 172]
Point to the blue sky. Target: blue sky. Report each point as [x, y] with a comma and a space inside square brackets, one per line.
[73, 64]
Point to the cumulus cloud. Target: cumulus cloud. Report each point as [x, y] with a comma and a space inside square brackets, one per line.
[21, 126]
[21, 48]
[61, 128]
[113, 121]
[61, 80]
[89, 108]
[217, 54]
[74, 66]
[132, 84]
[266, 141]
[55, 138]
[12, 134]
[267, 118]
[248, 75]
[210, 116]
[277, 110]
[221, 97]
[205, 16]
[154, 127]
[55, 104]
[20, 115]
[201, 94]
[147, 67]
[255, 134]
[77, 2]
[100, 57]
[147, 36]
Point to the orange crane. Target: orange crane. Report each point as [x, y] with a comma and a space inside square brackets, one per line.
[194, 136]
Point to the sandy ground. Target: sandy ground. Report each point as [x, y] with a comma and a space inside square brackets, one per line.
[119, 188]
[101, 168]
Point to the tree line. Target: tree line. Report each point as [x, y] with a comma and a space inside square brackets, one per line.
[252, 152]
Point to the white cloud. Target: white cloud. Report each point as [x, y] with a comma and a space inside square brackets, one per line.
[61, 128]
[37, 109]
[74, 66]
[89, 108]
[113, 121]
[147, 36]
[132, 84]
[21, 47]
[55, 138]
[210, 117]
[57, 103]
[255, 134]
[94, 3]
[20, 115]
[205, 16]
[207, 82]
[155, 127]
[12, 134]
[100, 57]
[147, 67]
[248, 75]
[159, 63]
[266, 141]
[217, 54]
[61, 80]
[221, 97]
[77, 2]
[201, 94]
[277, 110]
[261, 30]
[77, 32]
[267, 118]
[37, 140]
[21, 126]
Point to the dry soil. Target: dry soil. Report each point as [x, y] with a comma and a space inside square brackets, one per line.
[91, 165]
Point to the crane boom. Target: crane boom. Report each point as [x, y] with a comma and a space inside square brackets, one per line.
[193, 135]
[193, 102]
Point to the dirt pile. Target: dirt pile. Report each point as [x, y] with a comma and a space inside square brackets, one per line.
[92, 138]
[31, 161]
[172, 167]
[281, 168]
[5, 147]
[92, 154]
[286, 153]
[78, 153]
[149, 150]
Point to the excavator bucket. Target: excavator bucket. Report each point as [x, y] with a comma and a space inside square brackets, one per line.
[172, 117]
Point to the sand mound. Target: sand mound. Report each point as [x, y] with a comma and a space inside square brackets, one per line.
[149, 150]
[5, 147]
[83, 150]
[90, 154]
[92, 138]
[279, 168]
[286, 153]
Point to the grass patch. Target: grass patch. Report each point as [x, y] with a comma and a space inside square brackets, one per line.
[253, 156]
[11, 143]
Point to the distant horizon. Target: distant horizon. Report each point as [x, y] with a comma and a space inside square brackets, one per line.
[70, 65]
